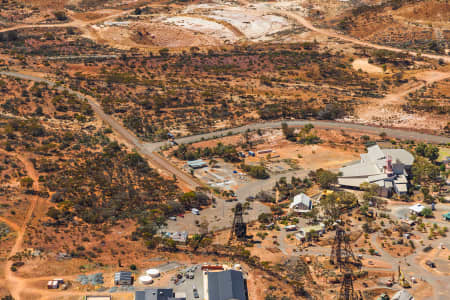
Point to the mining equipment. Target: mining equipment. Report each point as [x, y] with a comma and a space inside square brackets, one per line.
[402, 280]
[341, 252]
[342, 255]
[239, 229]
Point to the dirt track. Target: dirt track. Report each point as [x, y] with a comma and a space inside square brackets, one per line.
[296, 18]
[16, 284]
[302, 21]
[387, 109]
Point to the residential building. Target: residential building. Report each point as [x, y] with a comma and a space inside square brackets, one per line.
[304, 231]
[226, 285]
[388, 168]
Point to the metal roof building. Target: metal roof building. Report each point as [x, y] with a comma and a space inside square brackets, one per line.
[196, 164]
[123, 278]
[301, 203]
[385, 167]
[156, 294]
[417, 208]
[226, 285]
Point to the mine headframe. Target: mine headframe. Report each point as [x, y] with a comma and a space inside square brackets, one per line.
[239, 228]
[347, 292]
[341, 252]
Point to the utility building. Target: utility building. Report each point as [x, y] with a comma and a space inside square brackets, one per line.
[123, 278]
[226, 285]
[156, 294]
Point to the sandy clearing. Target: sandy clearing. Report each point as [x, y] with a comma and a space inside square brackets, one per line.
[388, 111]
[213, 29]
[142, 34]
[253, 25]
[363, 64]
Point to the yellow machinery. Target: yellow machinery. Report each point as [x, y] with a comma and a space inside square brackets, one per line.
[402, 280]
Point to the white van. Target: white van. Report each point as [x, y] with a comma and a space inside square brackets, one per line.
[195, 211]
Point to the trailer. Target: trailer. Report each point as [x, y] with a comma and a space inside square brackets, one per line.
[265, 151]
[212, 267]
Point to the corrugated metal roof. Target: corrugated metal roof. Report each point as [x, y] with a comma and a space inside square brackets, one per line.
[226, 285]
[417, 208]
[301, 199]
[378, 177]
[374, 153]
[352, 181]
[401, 187]
[359, 170]
[156, 294]
[401, 155]
[400, 179]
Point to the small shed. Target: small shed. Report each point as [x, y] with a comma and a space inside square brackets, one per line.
[197, 164]
[123, 278]
[446, 216]
[290, 227]
[416, 208]
[179, 237]
[303, 232]
[53, 284]
[402, 295]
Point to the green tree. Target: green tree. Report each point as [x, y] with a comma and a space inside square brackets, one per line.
[427, 150]
[424, 171]
[324, 178]
[330, 206]
[427, 212]
[26, 183]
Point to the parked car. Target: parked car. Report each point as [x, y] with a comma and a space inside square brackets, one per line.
[173, 218]
[430, 264]
[195, 292]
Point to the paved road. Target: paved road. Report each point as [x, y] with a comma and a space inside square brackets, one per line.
[396, 133]
[155, 160]
[148, 149]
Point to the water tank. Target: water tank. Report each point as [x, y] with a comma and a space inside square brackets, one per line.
[153, 272]
[145, 279]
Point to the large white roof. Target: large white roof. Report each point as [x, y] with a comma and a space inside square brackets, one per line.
[401, 155]
[352, 181]
[301, 199]
[417, 208]
[374, 153]
[360, 170]
[402, 295]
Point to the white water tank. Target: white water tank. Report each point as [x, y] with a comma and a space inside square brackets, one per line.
[145, 279]
[153, 272]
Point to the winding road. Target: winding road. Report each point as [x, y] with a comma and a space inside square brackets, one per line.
[17, 285]
[148, 149]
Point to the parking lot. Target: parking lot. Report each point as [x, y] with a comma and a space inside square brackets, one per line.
[187, 285]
